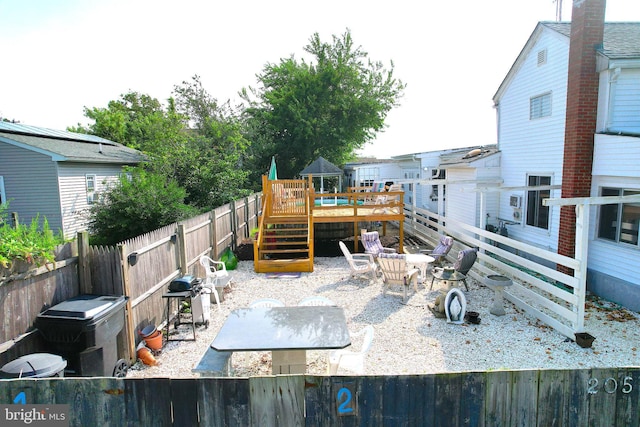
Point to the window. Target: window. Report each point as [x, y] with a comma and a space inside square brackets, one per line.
[537, 214]
[3, 198]
[90, 181]
[437, 174]
[619, 222]
[540, 106]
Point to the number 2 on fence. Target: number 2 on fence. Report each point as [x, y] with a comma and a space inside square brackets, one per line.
[345, 401]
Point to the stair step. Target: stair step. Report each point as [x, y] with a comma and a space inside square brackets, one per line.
[294, 243]
[283, 251]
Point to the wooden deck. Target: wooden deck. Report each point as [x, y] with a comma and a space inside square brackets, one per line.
[293, 205]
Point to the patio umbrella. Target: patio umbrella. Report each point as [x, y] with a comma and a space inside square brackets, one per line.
[273, 173]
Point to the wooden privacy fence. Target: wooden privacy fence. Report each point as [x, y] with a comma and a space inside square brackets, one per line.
[594, 397]
[139, 268]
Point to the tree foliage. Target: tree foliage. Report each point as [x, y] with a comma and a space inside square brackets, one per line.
[193, 141]
[140, 202]
[330, 108]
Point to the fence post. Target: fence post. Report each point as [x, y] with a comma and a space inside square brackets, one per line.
[129, 330]
[182, 250]
[213, 236]
[84, 264]
[234, 224]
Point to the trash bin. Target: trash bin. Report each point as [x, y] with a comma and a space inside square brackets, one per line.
[84, 330]
[36, 365]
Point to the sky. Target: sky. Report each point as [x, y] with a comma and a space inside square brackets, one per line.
[63, 55]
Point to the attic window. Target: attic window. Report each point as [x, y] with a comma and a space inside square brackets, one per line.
[542, 57]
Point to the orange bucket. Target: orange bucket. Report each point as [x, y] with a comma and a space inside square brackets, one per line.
[154, 341]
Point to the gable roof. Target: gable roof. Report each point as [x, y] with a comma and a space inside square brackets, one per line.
[321, 167]
[63, 146]
[621, 41]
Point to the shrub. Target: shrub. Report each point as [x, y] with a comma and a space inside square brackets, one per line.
[32, 244]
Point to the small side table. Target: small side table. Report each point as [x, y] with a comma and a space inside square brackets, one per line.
[497, 283]
[422, 262]
[179, 296]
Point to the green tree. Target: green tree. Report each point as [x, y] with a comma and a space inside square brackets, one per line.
[140, 202]
[331, 107]
[193, 141]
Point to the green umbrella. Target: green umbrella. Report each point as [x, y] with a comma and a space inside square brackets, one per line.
[273, 173]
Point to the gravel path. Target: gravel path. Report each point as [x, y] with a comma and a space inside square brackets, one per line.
[408, 338]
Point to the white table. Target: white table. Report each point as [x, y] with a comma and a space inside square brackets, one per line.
[422, 262]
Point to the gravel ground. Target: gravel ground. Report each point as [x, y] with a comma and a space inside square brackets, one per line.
[408, 338]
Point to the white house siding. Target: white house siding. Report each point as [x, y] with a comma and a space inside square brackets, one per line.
[616, 160]
[461, 199]
[534, 147]
[72, 178]
[35, 195]
[624, 109]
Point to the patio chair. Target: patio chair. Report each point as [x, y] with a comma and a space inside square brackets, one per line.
[349, 360]
[359, 263]
[266, 303]
[439, 253]
[216, 276]
[396, 271]
[387, 201]
[372, 245]
[316, 300]
[466, 259]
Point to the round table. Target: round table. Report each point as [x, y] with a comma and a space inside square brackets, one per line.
[422, 262]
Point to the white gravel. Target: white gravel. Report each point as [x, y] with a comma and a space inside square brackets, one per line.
[408, 338]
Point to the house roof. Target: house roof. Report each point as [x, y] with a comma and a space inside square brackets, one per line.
[621, 40]
[467, 156]
[65, 146]
[321, 167]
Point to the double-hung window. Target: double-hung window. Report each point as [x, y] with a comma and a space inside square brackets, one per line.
[90, 181]
[540, 106]
[619, 222]
[537, 213]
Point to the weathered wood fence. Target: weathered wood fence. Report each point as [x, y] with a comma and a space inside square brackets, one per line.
[139, 268]
[586, 397]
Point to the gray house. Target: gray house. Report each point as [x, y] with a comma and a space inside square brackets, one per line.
[57, 174]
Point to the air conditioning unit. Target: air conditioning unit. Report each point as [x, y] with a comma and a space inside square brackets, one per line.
[515, 201]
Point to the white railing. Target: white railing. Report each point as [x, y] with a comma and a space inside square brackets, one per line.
[539, 288]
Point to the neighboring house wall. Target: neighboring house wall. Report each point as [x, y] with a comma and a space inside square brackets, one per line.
[76, 200]
[462, 201]
[31, 185]
[534, 146]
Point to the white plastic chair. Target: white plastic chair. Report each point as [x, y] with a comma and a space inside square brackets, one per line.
[316, 300]
[352, 361]
[396, 271]
[360, 263]
[215, 275]
[266, 303]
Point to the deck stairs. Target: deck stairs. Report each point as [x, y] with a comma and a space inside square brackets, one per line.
[285, 238]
